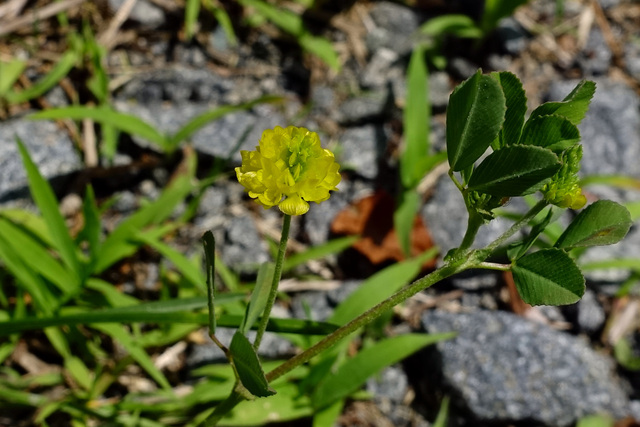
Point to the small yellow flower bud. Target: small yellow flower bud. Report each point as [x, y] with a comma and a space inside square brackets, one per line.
[288, 169]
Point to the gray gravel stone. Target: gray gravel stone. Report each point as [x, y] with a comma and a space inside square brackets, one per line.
[49, 146]
[312, 305]
[362, 148]
[503, 368]
[474, 280]
[632, 59]
[376, 72]
[394, 26]
[211, 209]
[595, 58]
[446, 217]
[591, 315]
[223, 138]
[143, 11]
[317, 222]
[364, 108]
[512, 35]
[178, 84]
[244, 250]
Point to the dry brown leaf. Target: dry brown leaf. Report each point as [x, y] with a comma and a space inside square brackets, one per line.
[372, 218]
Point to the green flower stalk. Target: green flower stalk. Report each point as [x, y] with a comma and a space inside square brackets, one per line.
[564, 190]
[288, 169]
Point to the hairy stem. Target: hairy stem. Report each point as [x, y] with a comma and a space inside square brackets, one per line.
[273, 291]
[366, 317]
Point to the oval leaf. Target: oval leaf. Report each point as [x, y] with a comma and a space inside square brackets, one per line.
[516, 101]
[353, 373]
[548, 277]
[247, 366]
[514, 171]
[601, 223]
[474, 117]
[574, 106]
[555, 133]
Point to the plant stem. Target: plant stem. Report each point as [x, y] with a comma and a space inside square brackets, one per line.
[366, 317]
[535, 210]
[273, 291]
[473, 225]
[223, 409]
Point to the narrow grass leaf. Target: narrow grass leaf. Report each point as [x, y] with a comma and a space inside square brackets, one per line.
[548, 277]
[416, 117]
[458, 25]
[353, 373]
[516, 101]
[92, 225]
[44, 300]
[574, 106]
[169, 312]
[79, 371]
[495, 10]
[106, 115]
[328, 416]
[31, 222]
[191, 12]
[37, 257]
[223, 19]
[9, 73]
[118, 332]
[247, 365]
[475, 115]
[121, 242]
[48, 204]
[602, 223]
[514, 171]
[187, 268]
[333, 246]
[619, 263]
[619, 181]
[624, 354]
[443, 413]
[379, 287]
[209, 246]
[322, 48]
[286, 405]
[57, 73]
[259, 296]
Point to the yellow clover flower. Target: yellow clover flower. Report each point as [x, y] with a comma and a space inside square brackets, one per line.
[288, 169]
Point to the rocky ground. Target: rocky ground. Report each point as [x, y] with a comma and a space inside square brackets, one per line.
[510, 364]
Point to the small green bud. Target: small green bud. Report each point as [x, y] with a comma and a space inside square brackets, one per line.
[564, 190]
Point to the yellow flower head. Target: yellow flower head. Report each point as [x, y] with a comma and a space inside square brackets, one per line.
[288, 169]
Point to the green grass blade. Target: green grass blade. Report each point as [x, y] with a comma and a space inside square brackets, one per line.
[191, 12]
[164, 312]
[57, 73]
[416, 117]
[379, 287]
[259, 296]
[91, 229]
[37, 257]
[42, 296]
[353, 373]
[334, 246]
[187, 268]
[9, 73]
[48, 204]
[223, 19]
[119, 333]
[106, 115]
[121, 242]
